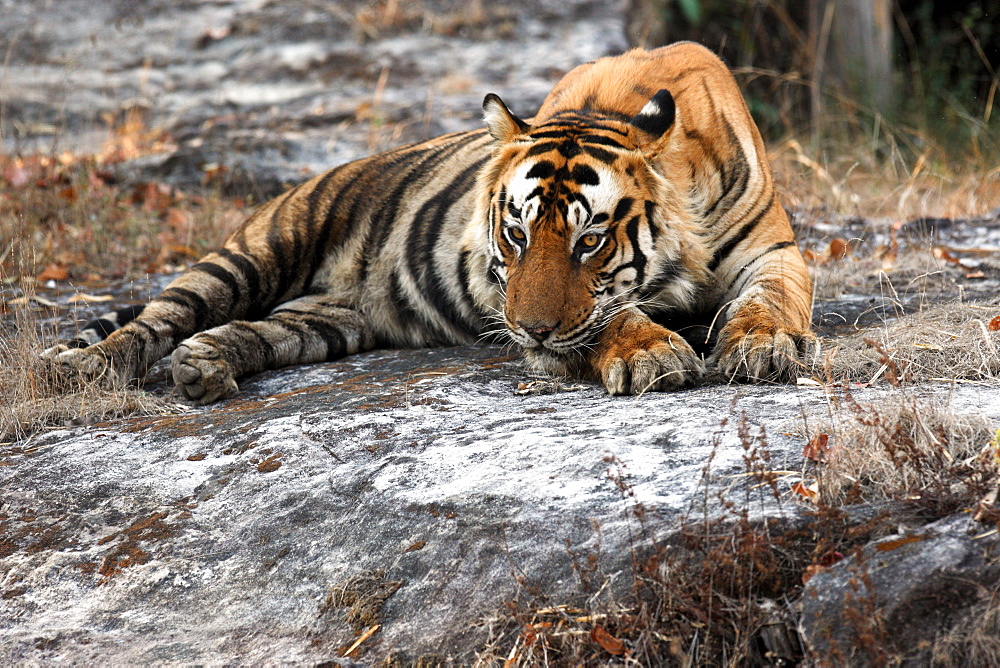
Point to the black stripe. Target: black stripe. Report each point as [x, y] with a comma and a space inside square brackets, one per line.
[425, 233]
[248, 331]
[256, 306]
[770, 249]
[585, 175]
[404, 309]
[102, 326]
[550, 134]
[190, 300]
[650, 208]
[123, 316]
[723, 252]
[416, 161]
[543, 147]
[223, 275]
[607, 157]
[638, 259]
[463, 281]
[601, 139]
[336, 343]
[542, 169]
[622, 209]
[329, 220]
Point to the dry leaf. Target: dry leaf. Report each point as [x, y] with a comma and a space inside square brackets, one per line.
[24, 301]
[90, 299]
[838, 249]
[809, 492]
[54, 272]
[817, 447]
[811, 570]
[611, 644]
[941, 253]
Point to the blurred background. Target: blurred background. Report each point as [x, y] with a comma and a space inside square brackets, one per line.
[924, 72]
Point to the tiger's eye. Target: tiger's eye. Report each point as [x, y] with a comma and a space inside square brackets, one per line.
[517, 233]
[590, 240]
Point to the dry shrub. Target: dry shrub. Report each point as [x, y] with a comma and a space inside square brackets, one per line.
[700, 598]
[903, 448]
[944, 342]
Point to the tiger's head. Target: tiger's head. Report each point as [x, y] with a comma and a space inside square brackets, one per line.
[582, 223]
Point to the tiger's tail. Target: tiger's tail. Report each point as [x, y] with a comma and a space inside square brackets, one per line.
[101, 328]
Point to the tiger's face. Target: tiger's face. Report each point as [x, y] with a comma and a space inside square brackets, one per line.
[581, 225]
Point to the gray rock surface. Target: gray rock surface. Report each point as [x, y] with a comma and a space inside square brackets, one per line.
[221, 535]
[413, 490]
[217, 535]
[277, 91]
[901, 592]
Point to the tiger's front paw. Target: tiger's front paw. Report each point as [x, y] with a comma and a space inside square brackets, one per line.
[755, 347]
[635, 355]
[83, 364]
[200, 373]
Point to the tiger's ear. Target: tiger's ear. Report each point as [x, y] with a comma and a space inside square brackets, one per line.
[654, 120]
[502, 124]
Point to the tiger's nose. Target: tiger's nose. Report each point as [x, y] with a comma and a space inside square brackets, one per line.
[538, 333]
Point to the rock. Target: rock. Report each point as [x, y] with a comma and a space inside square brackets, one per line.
[223, 535]
[408, 495]
[896, 597]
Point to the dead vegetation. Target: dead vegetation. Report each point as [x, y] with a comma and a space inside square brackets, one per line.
[719, 591]
[34, 398]
[943, 343]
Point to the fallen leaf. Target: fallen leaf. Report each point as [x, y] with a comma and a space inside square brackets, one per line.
[890, 545]
[941, 253]
[830, 558]
[419, 545]
[611, 644]
[24, 301]
[89, 299]
[817, 447]
[811, 570]
[838, 249]
[809, 492]
[54, 272]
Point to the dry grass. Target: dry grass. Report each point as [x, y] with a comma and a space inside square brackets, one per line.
[901, 448]
[64, 214]
[976, 642]
[940, 343]
[860, 181]
[35, 397]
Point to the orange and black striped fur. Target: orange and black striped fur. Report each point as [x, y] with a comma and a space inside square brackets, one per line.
[631, 221]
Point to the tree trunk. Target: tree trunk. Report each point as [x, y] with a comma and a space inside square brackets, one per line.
[853, 47]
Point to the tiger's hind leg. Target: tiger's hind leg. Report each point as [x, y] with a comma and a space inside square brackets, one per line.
[306, 330]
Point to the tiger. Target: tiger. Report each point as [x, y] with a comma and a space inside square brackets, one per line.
[628, 234]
